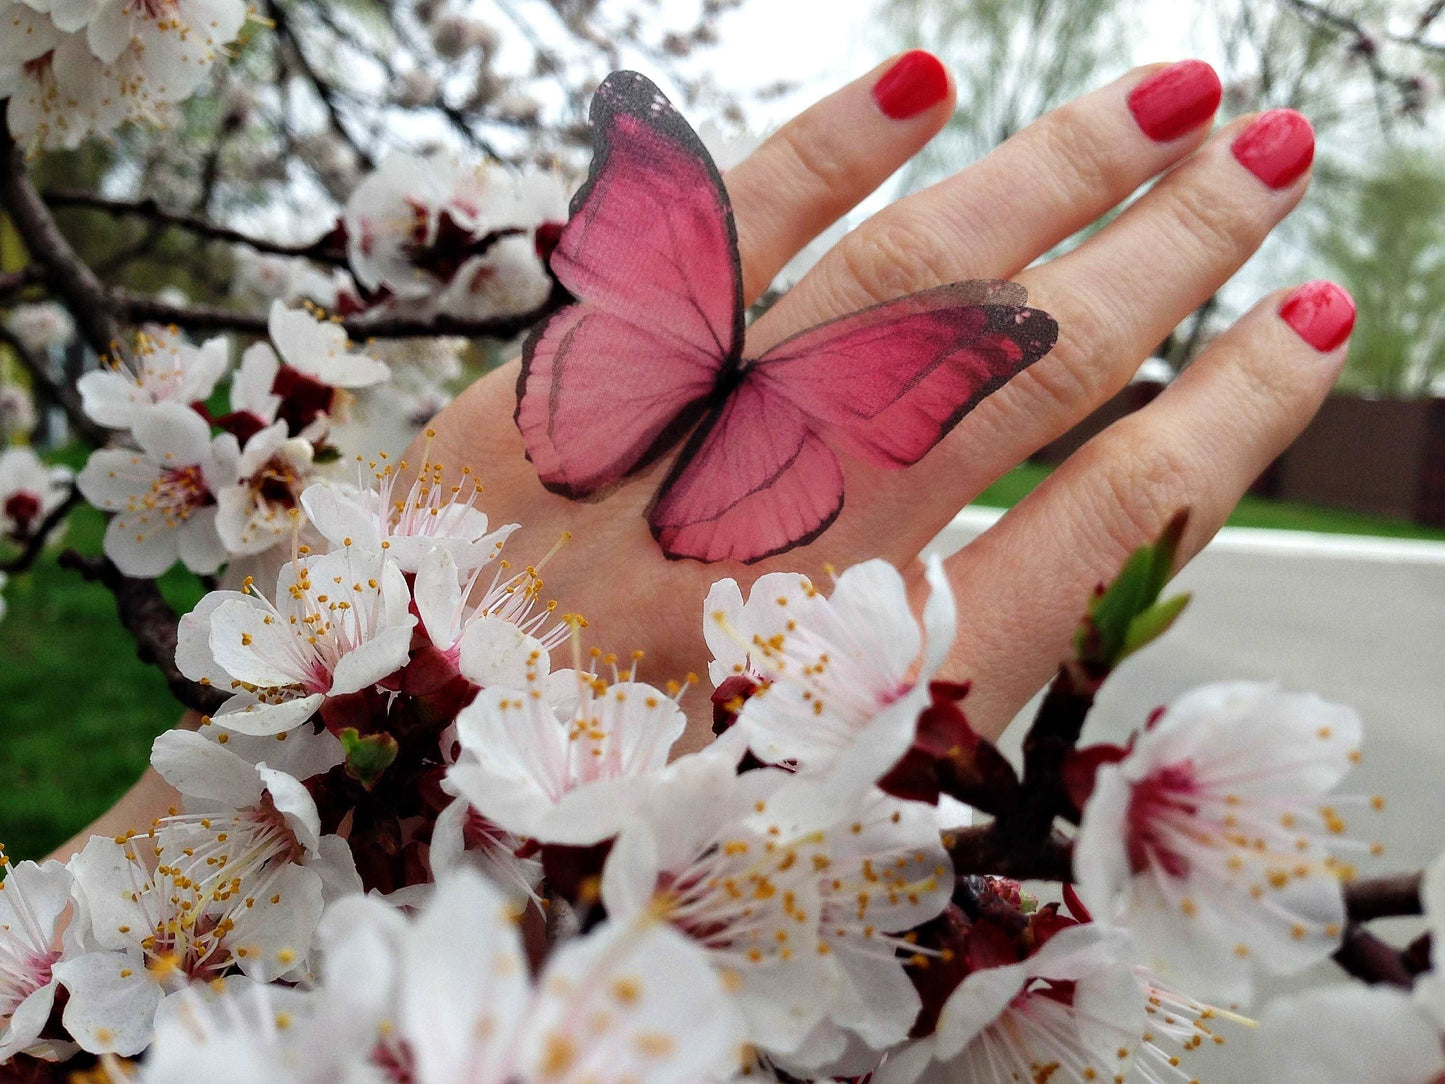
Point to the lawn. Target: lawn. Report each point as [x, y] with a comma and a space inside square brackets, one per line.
[78, 712]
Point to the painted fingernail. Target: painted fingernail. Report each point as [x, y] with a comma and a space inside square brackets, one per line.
[1277, 148]
[1322, 314]
[915, 83]
[1176, 100]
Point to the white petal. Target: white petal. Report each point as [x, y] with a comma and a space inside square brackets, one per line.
[200, 768]
[376, 659]
[112, 1001]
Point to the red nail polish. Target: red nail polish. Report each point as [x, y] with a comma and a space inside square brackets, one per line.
[1322, 313]
[912, 85]
[1176, 100]
[1277, 148]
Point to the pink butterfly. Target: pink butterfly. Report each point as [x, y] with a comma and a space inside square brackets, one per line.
[653, 349]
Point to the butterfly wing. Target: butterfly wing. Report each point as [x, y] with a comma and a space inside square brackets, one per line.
[883, 386]
[650, 252]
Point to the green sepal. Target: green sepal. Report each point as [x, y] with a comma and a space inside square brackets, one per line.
[368, 757]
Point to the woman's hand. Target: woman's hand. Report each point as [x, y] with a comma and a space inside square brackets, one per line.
[1022, 585]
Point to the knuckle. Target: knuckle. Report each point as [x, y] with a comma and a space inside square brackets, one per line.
[813, 159]
[891, 256]
[1077, 375]
[1142, 480]
[1075, 160]
[1213, 223]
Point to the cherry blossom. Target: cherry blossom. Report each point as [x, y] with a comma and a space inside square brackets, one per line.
[249, 815]
[154, 931]
[1346, 1033]
[161, 367]
[66, 94]
[34, 902]
[429, 517]
[1211, 839]
[17, 412]
[847, 675]
[29, 491]
[178, 41]
[262, 507]
[562, 758]
[340, 623]
[41, 325]
[164, 494]
[1072, 1010]
[624, 1002]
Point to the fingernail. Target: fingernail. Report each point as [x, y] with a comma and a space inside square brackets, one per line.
[1176, 100]
[1322, 314]
[917, 82]
[1277, 148]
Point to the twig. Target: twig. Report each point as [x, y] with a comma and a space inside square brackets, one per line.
[36, 542]
[29, 275]
[320, 250]
[62, 394]
[139, 308]
[1365, 956]
[150, 620]
[68, 274]
[983, 850]
[285, 35]
[1384, 897]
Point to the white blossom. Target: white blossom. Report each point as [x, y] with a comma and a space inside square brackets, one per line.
[339, 624]
[29, 491]
[153, 931]
[177, 40]
[1072, 1011]
[17, 412]
[1211, 839]
[163, 494]
[162, 367]
[34, 904]
[262, 507]
[41, 325]
[561, 758]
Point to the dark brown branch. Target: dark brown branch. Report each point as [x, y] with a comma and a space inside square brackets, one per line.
[320, 250]
[288, 40]
[62, 394]
[69, 276]
[36, 542]
[11, 281]
[984, 850]
[1384, 897]
[138, 308]
[148, 617]
[1366, 957]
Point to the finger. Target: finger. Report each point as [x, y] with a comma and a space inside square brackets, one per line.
[1120, 293]
[1044, 184]
[1198, 445]
[818, 166]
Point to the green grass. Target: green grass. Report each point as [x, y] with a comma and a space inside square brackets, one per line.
[78, 712]
[1251, 511]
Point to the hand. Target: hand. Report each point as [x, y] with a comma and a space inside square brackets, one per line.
[1021, 586]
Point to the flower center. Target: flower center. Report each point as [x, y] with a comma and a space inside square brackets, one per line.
[1165, 796]
[22, 509]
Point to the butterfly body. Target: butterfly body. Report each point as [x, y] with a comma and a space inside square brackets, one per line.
[651, 356]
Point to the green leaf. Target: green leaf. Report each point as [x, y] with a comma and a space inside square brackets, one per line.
[368, 757]
[1107, 633]
[1153, 623]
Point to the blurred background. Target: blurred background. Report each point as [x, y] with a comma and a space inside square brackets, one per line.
[319, 91]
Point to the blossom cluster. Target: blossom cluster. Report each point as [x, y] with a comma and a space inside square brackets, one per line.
[77, 68]
[422, 781]
[185, 482]
[426, 236]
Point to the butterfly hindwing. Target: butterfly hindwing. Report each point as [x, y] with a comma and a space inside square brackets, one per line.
[650, 252]
[882, 386]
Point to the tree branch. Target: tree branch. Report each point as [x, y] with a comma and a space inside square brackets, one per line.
[139, 308]
[984, 850]
[150, 620]
[1366, 957]
[68, 274]
[285, 36]
[1384, 897]
[319, 250]
[36, 542]
[62, 394]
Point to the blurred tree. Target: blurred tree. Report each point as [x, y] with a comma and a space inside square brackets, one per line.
[1386, 244]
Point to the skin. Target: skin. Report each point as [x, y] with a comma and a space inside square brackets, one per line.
[1022, 585]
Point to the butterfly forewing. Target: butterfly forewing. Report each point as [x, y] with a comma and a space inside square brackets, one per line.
[650, 252]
